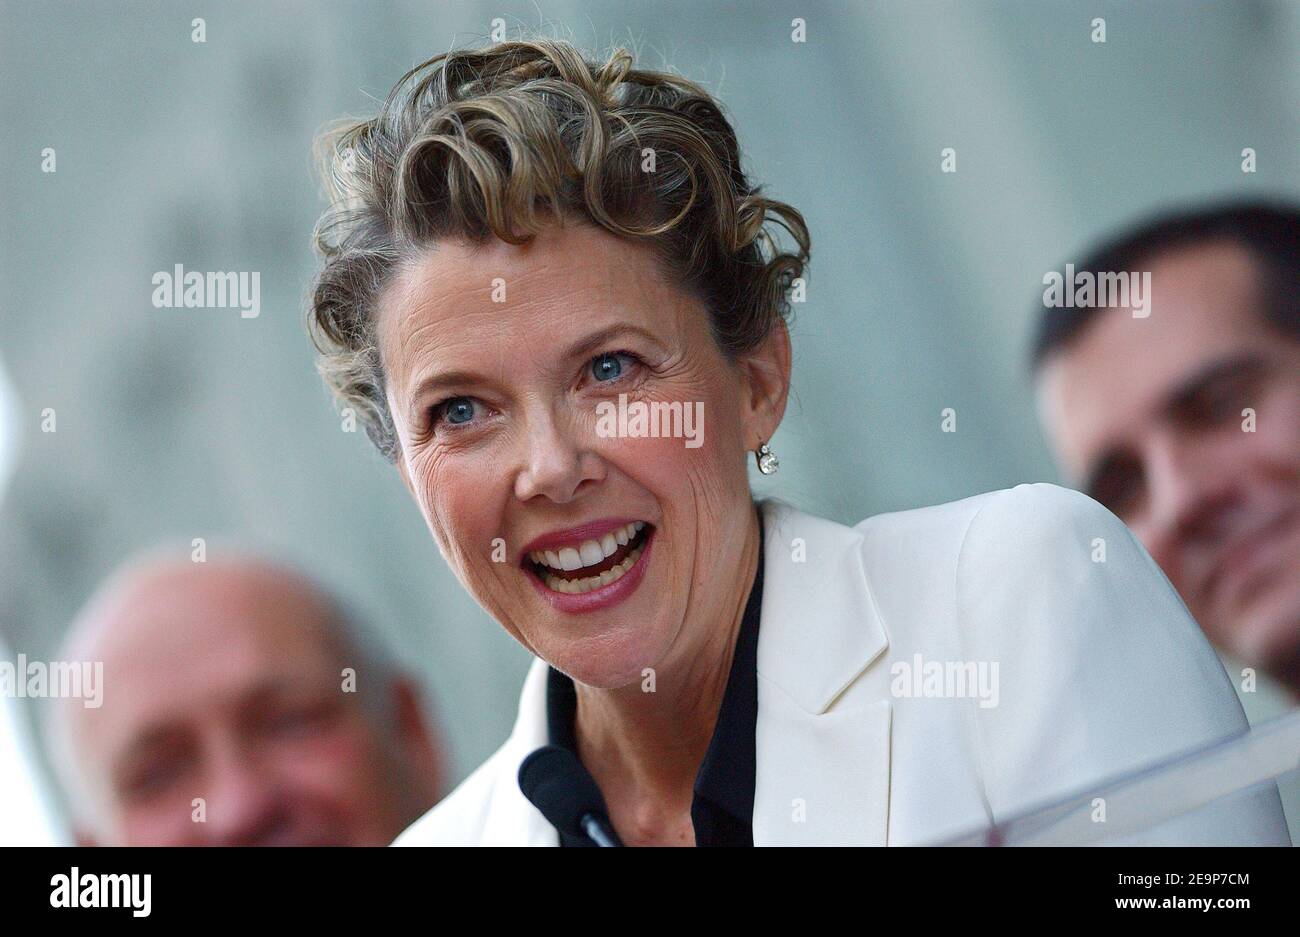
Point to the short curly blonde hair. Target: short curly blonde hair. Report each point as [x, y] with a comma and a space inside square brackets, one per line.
[497, 142]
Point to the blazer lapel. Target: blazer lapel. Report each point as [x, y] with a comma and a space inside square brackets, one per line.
[511, 819]
[822, 768]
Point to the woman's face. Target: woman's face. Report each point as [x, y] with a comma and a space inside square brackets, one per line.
[601, 548]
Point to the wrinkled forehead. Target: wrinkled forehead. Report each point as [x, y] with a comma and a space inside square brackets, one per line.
[451, 298]
[1110, 384]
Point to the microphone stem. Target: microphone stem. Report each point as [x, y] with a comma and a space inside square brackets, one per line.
[594, 828]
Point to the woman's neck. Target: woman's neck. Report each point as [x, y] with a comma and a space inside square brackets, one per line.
[645, 748]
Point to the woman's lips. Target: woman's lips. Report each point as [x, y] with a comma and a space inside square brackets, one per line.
[574, 536]
[573, 579]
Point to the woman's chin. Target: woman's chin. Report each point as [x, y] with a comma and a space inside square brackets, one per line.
[607, 661]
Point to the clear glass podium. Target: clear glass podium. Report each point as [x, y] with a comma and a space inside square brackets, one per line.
[1214, 795]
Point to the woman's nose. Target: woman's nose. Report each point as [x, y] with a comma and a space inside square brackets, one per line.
[556, 463]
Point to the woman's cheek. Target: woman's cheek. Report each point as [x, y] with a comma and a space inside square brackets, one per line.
[437, 494]
[466, 520]
[420, 472]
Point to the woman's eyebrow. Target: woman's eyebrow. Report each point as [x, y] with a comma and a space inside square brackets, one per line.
[601, 339]
[583, 347]
[432, 382]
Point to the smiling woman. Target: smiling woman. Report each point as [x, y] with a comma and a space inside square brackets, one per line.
[523, 240]
[497, 144]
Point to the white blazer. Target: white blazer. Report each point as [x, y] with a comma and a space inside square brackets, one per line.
[1099, 670]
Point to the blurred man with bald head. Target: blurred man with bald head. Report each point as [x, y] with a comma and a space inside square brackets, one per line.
[240, 708]
[1181, 414]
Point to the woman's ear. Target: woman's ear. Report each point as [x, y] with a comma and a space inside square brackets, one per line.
[765, 375]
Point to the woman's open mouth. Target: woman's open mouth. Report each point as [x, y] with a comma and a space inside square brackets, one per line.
[593, 564]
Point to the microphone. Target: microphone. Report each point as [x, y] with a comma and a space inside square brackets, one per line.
[556, 783]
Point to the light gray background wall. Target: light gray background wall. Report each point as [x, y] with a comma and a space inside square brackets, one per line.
[174, 424]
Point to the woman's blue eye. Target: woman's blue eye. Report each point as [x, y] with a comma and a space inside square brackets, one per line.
[458, 410]
[606, 367]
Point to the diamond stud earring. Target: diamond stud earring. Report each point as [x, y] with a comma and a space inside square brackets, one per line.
[767, 460]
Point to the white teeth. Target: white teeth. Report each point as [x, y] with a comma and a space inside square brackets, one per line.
[589, 552]
[577, 586]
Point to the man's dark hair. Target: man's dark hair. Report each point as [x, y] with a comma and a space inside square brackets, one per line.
[1270, 231]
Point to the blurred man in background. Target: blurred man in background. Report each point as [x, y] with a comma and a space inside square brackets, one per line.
[1183, 418]
[240, 707]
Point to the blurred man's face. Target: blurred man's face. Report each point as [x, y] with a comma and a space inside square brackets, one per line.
[1146, 415]
[224, 722]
